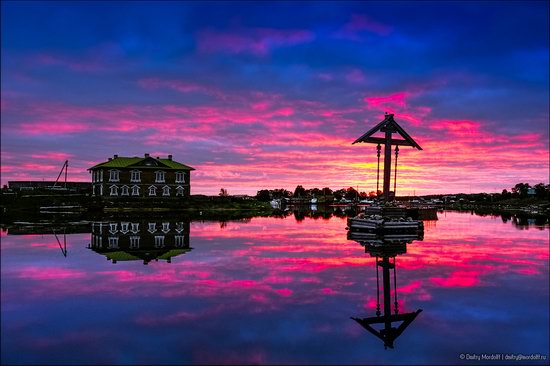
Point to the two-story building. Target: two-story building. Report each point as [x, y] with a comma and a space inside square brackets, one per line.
[141, 177]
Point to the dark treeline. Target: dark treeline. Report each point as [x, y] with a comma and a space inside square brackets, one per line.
[519, 191]
[321, 194]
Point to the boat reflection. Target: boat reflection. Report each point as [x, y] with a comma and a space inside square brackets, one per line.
[143, 240]
[385, 248]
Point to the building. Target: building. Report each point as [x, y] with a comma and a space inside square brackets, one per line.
[141, 177]
[136, 240]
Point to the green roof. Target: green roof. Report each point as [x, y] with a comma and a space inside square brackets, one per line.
[173, 252]
[121, 256]
[126, 162]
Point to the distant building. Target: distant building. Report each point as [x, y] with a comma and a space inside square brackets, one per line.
[141, 177]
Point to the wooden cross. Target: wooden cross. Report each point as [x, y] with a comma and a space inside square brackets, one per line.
[388, 126]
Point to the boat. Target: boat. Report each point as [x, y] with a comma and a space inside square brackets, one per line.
[385, 224]
[313, 200]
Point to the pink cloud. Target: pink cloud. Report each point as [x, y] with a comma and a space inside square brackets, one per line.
[359, 23]
[258, 41]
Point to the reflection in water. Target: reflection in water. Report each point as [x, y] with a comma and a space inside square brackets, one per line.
[385, 247]
[140, 240]
[302, 281]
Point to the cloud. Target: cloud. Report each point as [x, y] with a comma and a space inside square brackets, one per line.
[256, 41]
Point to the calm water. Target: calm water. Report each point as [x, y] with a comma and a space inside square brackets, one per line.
[271, 290]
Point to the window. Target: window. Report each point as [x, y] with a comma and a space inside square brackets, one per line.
[114, 176]
[134, 242]
[124, 227]
[180, 177]
[135, 190]
[179, 227]
[113, 242]
[165, 191]
[101, 189]
[152, 191]
[159, 241]
[124, 191]
[113, 227]
[165, 227]
[114, 191]
[159, 176]
[180, 191]
[152, 227]
[180, 240]
[135, 227]
[136, 176]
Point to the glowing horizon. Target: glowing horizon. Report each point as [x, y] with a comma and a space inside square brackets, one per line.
[256, 101]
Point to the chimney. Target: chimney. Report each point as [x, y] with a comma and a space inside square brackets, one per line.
[170, 157]
[146, 155]
[115, 156]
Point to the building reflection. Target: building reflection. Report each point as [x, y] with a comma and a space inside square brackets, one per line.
[140, 240]
[388, 324]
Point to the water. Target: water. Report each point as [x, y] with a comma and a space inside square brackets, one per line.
[273, 290]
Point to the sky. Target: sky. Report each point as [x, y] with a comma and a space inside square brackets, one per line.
[264, 95]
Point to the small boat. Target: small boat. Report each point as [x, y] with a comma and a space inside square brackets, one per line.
[313, 200]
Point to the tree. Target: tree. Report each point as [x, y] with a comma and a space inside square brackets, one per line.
[542, 190]
[351, 193]
[263, 195]
[223, 192]
[299, 191]
[521, 189]
[327, 191]
[339, 194]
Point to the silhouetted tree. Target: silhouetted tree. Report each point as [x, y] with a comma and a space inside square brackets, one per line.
[351, 193]
[542, 190]
[327, 191]
[223, 192]
[263, 195]
[521, 189]
[299, 191]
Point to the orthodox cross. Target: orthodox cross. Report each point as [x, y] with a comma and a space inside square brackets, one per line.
[388, 126]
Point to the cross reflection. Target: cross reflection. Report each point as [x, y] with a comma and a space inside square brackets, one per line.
[385, 248]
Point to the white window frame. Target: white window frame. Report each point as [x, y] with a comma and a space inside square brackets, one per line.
[180, 177]
[133, 178]
[134, 227]
[113, 242]
[166, 191]
[113, 227]
[180, 191]
[179, 240]
[165, 227]
[101, 189]
[134, 241]
[152, 189]
[124, 227]
[152, 227]
[135, 190]
[179, 227]
[125, 191]
[113, 192]
[101, 175]
[114, 175]
[160, 176]
[159, 241]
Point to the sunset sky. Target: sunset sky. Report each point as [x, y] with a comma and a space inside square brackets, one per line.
[259, 95]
